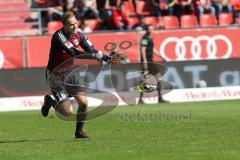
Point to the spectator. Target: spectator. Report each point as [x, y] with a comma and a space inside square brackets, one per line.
[135, 5]
[222, 6]
[140, 26]
[225, 6]
[161, 7]
[69, 5]
[107, 4]
[118, 20]
[103, 7]
[114, 3]
[134, 2]
[236, 10]
[182, 7]
[54, 14]
[105, 11]
[84, 28]
[205, 6]
[101, 4]
[86, 9]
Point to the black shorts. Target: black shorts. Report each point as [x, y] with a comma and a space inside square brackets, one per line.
[65, 84]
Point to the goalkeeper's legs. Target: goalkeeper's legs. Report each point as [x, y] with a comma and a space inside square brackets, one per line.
[81, 98]
[60, 103]
[64, 107]
[47, 104]
[160, 99]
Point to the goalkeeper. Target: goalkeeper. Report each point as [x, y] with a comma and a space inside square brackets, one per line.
[65, 45]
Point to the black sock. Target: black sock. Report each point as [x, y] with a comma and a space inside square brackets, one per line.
[81, 117]
[79, 126]
[159, 91]
[140, 98]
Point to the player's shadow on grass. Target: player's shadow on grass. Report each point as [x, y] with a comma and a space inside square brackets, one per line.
[43, 140]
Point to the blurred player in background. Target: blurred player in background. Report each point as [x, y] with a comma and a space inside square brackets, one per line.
[146, 52]
[65, 45]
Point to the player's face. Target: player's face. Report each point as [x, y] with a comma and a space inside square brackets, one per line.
[71, 25]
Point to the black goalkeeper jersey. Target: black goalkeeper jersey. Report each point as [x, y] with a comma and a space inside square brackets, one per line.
[63, 48]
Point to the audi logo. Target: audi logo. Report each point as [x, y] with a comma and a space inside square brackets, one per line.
[111, 46]
[196, 47]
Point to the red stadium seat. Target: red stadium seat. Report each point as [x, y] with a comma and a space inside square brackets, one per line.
[53, 26]
[147, 20]
[14, 21]
[14, 5]
[93, 24]
[142, 8]
[40, 1]
[132, 21]
[207, 20]
[225, 19]
[189, 21]
[151, 20]
[170, 22]
[238, 21]
[235, 4]
[128, 7]
[19, 32]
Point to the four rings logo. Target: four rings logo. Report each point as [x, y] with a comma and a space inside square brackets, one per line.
[195, 46]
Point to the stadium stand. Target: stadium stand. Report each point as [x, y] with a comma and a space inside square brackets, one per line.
[40, 2]
[93, 24]
[225, 19]
[170, 22]
[151, 20]
[189, 21]
[133, 21]
[13, 16]
[128, 7]
[207, 20]
[54, 26]
[143, 7]
[19, 17]
[235, 4]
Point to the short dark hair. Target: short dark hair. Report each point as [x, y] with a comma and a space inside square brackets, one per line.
[66, 16]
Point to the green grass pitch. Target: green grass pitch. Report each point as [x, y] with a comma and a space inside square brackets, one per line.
[180, 131]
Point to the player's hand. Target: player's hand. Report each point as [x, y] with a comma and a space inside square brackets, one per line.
[115, 59]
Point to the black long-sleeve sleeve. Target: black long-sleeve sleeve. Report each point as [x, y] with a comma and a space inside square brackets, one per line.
[63, 49]
[86, 45]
